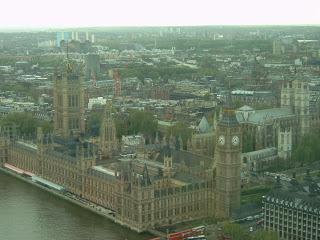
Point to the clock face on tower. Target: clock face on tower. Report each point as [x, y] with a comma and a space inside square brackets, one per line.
[235, 140]
[221, 140]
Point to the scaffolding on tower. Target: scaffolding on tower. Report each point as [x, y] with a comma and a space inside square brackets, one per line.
[117, 83]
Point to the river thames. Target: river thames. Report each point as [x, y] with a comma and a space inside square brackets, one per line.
[29, 213]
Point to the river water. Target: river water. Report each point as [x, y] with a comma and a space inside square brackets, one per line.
[29, 213]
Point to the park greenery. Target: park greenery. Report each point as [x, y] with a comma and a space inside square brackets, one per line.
[133, 122]
[157, 72]
[182, 130]
[25, 124]
[254, 195]
[307, 151]
[93, 123]
[138, 122]
[238, 232]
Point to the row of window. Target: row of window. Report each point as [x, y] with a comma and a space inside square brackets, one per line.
[294, 225]
[73, 101]
[290, 213]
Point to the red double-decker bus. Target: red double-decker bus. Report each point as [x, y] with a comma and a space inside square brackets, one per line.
[185, 234]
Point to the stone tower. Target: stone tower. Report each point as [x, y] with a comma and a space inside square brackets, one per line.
[301, 104]
[108, 137]
[3, 150]
[167, 162]
[68, 95]
[227, 163]
[296, 95]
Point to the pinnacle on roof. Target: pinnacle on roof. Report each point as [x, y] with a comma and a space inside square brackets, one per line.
[167, 151]
[107, 110]
[69, 67]
[204, 126]
[228, 117]
[145, 176]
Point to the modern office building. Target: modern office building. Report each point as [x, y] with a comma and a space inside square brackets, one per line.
[294, 212]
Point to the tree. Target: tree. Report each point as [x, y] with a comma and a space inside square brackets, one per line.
[136, 122]
[121, 122]
[235, 231]
[306, 151]
[143, 122]
[238, 232]
[47, 127]
[182, 130]
[94, 123]
[26, 124]
[265, 235]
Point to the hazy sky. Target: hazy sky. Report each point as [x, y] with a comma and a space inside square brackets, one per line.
[71, 13]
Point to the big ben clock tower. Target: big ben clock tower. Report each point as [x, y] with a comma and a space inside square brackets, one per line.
[227, 163]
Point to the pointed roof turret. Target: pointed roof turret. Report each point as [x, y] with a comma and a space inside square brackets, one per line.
[145, 176]
[228, 117]
[180, 142]
[167, 151]
[204, 126]
[107, 110]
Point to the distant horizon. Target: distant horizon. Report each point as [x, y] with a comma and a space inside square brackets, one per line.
[67, 28]
[60, 14]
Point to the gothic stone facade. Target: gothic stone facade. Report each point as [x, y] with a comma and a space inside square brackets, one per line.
[174, 187]
[139, 199]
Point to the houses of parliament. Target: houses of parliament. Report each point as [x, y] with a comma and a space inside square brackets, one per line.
[171, 187]
[175, 186]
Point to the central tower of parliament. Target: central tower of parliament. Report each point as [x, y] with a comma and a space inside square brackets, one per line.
[172, 186]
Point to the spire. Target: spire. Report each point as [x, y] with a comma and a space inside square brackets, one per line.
[180, 142]
[228, 98]
[215, 119]
[228, 115]
[167, 151]
[107, 110]
[172, 141]
[67, 50]
[145, 174]
[189, 144]
[39, 135]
